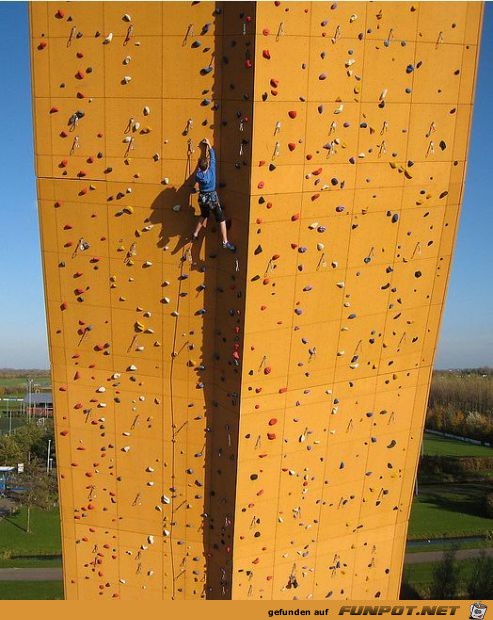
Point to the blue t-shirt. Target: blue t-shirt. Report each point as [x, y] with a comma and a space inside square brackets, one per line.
[207, 178]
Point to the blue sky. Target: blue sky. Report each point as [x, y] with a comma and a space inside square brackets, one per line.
[466, 337]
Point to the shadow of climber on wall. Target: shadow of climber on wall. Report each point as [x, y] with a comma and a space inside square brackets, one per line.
[173, 210]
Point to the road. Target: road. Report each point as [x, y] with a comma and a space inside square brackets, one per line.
[55, 574]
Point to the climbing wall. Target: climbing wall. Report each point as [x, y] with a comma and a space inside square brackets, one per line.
[245, 425]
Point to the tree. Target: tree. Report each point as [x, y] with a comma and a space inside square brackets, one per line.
[446, 577]
[480, 585]
[10, 451]
[39, 488]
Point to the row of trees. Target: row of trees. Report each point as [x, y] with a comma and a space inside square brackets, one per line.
[449, 582]
[462, 404]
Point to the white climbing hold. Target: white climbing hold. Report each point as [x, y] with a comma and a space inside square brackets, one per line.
[150, 539]
[108, 38]
[176, 208]
[320, 246]
[101, 389]
[127, 79]
[126, 60]
[127, 18]
[146, 111]
[165, 499]
[132, 367]
[126, 448]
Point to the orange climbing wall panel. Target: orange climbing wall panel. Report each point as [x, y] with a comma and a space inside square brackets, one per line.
[247, 425]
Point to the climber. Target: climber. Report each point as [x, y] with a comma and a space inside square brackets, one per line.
[205, 184]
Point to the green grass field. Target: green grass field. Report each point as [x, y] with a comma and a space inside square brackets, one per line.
[45, 538]
[31, 590]
[21, 382]
[450, 510]
[441, 446]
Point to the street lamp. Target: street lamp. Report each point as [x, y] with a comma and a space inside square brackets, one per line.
[29, 398]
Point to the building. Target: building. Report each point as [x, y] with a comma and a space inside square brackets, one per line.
[248, 425]
[39, 404]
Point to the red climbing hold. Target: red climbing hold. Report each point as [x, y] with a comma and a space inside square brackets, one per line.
[317, 172]
[262, 162]
[53, 109]
[248, 63]
[60, 14]
[271, 436]
[266, 54]
[272, 421]
[274, 83]
[291, 146]
[42, 45]
[295, 217]
[266, 32]
[63, 305]
[275, 256]
[267, 370]
[315, 196]
[80, 75]
[261, 184]
[292, 113]
[283, 390]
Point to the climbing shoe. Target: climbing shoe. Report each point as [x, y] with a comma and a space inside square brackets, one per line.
[227, 245]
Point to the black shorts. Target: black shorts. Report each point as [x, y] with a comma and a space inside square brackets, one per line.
[209, 201]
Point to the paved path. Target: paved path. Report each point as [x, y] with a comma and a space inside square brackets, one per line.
[55, 574]
[436, 556]
[31, 574]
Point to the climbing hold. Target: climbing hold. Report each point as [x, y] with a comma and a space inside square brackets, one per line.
[292, 113]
